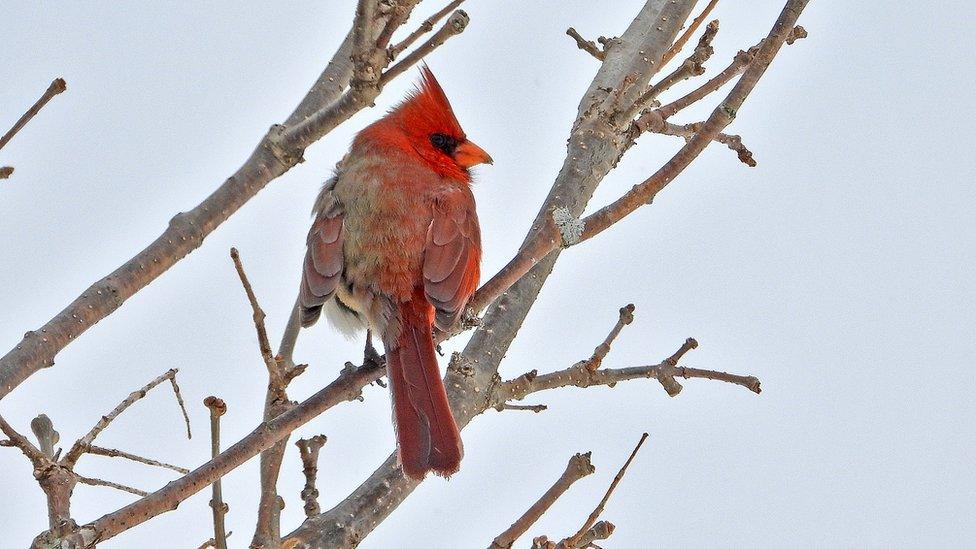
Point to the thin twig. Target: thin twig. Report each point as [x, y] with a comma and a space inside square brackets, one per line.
[109, 484]
[600, 352]
[732, 141]
[81, 445]
[692, 66]
[574, 540]
[182, 405]
[56, 87]
[112, 452]
[424, 28]
[454, 25]
[738, 64]
[680, 42]
[308, 449]
[267, 533]
[578, 467]
[588, 46]
[217, 408]
[274, 369]
[522, 407]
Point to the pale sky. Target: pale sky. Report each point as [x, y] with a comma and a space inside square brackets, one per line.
[839, 271]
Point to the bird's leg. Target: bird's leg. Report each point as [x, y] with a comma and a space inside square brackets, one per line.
[371, 358]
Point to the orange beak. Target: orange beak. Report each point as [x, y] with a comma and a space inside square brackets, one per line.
[468, 154]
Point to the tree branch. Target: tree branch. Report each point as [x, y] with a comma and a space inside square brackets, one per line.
[680, 42]
[578, 375]
[267, 532]
[546, 237]
[112, 452]
[601, 351]
[82, 444]
[578, 467]
[109, 484]
[424, 28]
[56, 87]
[217, 408]
[308, 449]
[588, 46]
[692, 66]
[721, 117]
[454, 25]
[346, 387]
[574, 541]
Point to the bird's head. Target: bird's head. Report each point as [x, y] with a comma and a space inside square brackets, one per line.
[424, 125]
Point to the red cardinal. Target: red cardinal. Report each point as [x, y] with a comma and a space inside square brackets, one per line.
[395, 248]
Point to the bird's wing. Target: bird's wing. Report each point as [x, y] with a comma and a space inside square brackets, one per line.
[452, 259]
[322, 268]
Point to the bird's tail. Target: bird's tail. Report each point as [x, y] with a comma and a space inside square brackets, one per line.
[427, 435]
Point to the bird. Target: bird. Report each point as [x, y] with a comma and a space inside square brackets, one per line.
[395, 250]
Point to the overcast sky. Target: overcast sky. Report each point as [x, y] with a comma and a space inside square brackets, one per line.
[839, 271]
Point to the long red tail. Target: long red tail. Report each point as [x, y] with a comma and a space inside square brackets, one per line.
[427, 435]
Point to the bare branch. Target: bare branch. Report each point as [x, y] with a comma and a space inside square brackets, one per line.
[110, 484]
[692, 66]
[579, 375]
[737, 66]
[546, 237]
[277, 377]
[626, 317]
[82, 444]
[182, 405]
[56, 87]
[721, 117]
[454, 25]
[651, 121]
[308, 449]
[588, 46]
[424, 28]
[574, 541]
[578, 467]
[6, 172]
[680, 42]
[536, 408]
[217, 408]
[267, 532]
[346, 387]
[112, 452]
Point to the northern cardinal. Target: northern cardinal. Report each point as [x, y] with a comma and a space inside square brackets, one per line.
[396, 248]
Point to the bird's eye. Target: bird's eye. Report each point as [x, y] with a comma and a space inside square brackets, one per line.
[443, 142]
